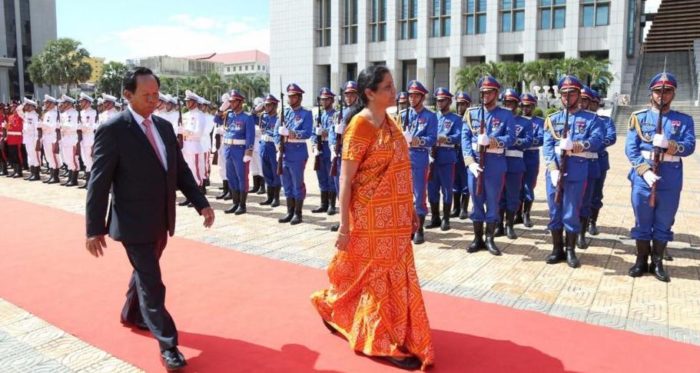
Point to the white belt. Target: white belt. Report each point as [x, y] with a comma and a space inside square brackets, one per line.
[268, 138]
[475, 148]
[664, 157]
[191, 138]
[14, 133]
[587, 155]
[514, 153]
[234, 141]
[299, 141]
[446, 146]
[533, 148]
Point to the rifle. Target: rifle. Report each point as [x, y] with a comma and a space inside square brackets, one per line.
[39, 133]
[97, 121]
[280, 156]
[79, 131]
[180, 138]
[564, 157]
[319, 138]
[55, 147]
[433, 149]
[217, 140]
[3, 135]
[338, 141]
[658, 152]
[482, 149]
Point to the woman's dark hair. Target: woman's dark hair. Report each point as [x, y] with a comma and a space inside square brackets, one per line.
[132, 75]
[369, 78]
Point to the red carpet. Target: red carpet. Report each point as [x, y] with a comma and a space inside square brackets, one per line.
[243, 313]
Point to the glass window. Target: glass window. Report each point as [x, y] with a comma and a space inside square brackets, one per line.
[512, 15]
[377, 23]
[440, 18]
[323, 28]
[408, 20]
[350, 22]
[552, 14]
[595, 13]
[475, 17]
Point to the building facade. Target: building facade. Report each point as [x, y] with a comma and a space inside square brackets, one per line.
[174, 66]
[25, 28]
[237, 63]
[224, 64]
[326, 42]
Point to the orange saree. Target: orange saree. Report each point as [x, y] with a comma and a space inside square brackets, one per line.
[374, 298]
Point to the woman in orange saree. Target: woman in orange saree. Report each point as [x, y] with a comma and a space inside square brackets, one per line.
[374, 299]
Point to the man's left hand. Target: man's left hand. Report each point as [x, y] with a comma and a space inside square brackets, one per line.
[208, 214]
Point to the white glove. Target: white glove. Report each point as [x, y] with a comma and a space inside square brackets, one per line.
[339, 129]
[431, 159]
[660, 141]
[566, 144]
[180, 130]
[483, 140]
[554, 176]
[319, 131]
[650, 178]
[408, 136]
[475, 169]
[284, 131]
[247, 158]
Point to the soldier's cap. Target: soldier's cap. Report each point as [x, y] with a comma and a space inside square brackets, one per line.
[463, 97]
[66, 98]
[172, 99]
[442, 93]
[48, 98]
[117, 104]
[258, 103]
[402, 97]
[203, 101]
[667, 80]
[162, 97]
[488, 83]
[168, 99]
[528, 99]
[235, 94]
[270, 99]
[85, 97]
[415, 86]
[294, 89]
[350, 87]
[100, 101]
[590, 94]
[510, 94]
[109, 98]
[326, 92]
[569, 83]
[191, 96]
[26, 101]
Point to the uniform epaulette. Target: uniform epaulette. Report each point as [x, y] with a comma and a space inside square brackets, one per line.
[640, 111]
[553, 114]
[467, 117]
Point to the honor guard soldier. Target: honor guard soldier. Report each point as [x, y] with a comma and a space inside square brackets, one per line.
[207, 133]
[268, 151]
[487, 132]
[609, 138]
[109, 109]
[510, 201]
[460, 189]
[350, 100]
[87, 127]
[239, 140]
[30, 135]
[657, 140]
[322, 150]
[531, 157]
[298, 126]
[13, 131]
[49, 125]
[421, 135]
[449, 135]
[160, 107]
[219, 132]
[69, 139]
[193, 126]
[256, 162]
[572, 137]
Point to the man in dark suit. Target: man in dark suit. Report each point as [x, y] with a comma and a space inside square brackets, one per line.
[136, 156]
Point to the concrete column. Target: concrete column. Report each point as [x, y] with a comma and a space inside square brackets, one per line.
[530, 34]
[362, 34]
[20, 51]
[336, 37]
[424, 67]
[456, 59]
[617, 36]
[492, 31]
[573, 10]
[392, 35]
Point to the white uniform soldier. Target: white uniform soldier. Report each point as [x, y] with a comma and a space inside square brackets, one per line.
[69, 139]
[30, 136]
[219, 131]
[87, 127]
[108, 109]
[256, 162]
[193, 126]
[49, 125]
[207, 137]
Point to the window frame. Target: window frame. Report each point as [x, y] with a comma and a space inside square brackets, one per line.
[440, 18]
[377, 22]
[512, 11]
[595, 5]
[552, 7]
[349, 27]
[475, 15]
[408, 22]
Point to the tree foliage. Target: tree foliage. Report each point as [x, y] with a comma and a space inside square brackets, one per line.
[212, 86]
[111, 80]
[62, 62]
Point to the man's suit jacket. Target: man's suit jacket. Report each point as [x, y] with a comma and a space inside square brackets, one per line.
[143, 193]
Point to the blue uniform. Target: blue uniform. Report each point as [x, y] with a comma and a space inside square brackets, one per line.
[449, 126]
[516, 164]
[583, 128]
[531, 157]
[300, 122]
[609, 138]
[325, 181]
[268, 149]
[423, 126]
[656, 223]
[239, 137]
[500, 126]
[593, 176]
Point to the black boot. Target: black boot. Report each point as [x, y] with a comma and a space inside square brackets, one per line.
[276, 200]
[54, 177]
[324, 204]
[571, 258]
[557, 254]
[456, 205]
[510, 231]
[527, 206]
[500, 228]
[256, 185]
[335, 227]
[657, 261]
[290, 211]
[641, 265]
[236, 198]
[242, 205]
[72, 179]
[31, 173]
[87, 180]
[519, 215]
[17, 171]
[35, 174]
[332, 197]
[465, 207]
[490, 243]
[592, 227]
[3, 168]
[478, 242]
[225, 192]
[270, 197]
[446, 217]
[419, 237]
[435, 221]
[262, 190]
[581, 242]
[298, 206]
